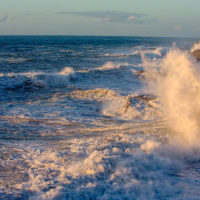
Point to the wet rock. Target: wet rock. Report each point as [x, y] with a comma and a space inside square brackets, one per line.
[140, 74]
[195, 50]
[145, 97]
[196, 54]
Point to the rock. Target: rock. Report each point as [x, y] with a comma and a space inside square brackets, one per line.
[196, 54]
[140, 74]
[195, 50]
[145, 97]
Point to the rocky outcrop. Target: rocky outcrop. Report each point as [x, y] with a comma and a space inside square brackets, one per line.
[195, 50]
[139, 73]
[196, 54]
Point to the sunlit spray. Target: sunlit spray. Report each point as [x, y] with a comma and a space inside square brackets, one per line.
[176, 81]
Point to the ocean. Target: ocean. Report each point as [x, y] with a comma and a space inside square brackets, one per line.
[87, 117]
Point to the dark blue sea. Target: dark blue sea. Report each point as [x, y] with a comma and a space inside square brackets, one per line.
[86, 118]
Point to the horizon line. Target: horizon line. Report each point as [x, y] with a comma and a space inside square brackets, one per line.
[76, 35]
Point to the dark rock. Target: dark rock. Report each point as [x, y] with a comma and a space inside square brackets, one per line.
[140, 74]
[196, 54]
[145, 97]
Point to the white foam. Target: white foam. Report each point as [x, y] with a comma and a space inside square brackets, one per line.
[99, 94]
[149, 146]
[15, 60]
[156, 51]
[120, 108]
[83, 164]
[175, 80]
[35, 80]
[111, 65]
[117, 54]
[67, 71]
[114, 165]
[108, 66]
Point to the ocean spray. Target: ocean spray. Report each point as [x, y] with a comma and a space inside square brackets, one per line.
[175, 79]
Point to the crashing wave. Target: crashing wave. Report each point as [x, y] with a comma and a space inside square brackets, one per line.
[175, 81]
[35, 80]
[154, 51]
[157, 51]
[111, 66]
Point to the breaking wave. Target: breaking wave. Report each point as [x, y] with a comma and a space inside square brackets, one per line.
[157, 51]
[154, 51]
[35, 80]
[110, 66]
[91, 142]
[175, 81]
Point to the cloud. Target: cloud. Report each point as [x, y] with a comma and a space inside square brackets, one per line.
[178, 28]
[130, 18]
[113, 16]
[107, 19]
[4, 18]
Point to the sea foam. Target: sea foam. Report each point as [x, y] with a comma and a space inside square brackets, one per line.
[35, 80]
[175, 80]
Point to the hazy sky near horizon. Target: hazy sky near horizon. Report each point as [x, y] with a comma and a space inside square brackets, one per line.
[100, 17]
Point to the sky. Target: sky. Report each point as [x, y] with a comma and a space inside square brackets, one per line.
[178, 18]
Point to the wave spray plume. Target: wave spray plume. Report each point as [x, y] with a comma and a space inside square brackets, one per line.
[175, 80]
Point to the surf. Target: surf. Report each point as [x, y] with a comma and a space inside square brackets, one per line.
[175, 80]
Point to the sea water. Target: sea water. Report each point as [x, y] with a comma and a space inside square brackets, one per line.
[99, 118]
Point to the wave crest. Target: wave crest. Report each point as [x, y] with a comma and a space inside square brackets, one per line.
[35, 80]
[175, 80]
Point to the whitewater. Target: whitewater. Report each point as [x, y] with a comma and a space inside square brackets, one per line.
[99, 118]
